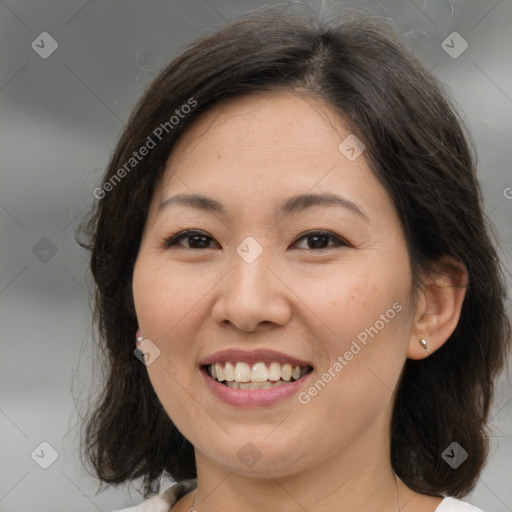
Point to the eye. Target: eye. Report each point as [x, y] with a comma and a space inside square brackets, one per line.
[199, 240]
[318, 240]
[196, 239]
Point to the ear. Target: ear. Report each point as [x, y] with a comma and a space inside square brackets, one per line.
[438, 306]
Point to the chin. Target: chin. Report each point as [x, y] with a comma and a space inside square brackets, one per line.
[253, 454]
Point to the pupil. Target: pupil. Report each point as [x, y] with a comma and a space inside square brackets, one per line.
[194, 239]
[317, 241]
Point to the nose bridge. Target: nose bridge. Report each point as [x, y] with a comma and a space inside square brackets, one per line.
[252, 294]
[250, 268]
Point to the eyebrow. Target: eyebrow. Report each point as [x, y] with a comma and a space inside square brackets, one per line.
[293, 204]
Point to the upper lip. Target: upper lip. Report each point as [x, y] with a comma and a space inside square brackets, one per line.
[252, 356]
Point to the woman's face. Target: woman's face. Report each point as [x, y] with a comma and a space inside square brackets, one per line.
[320, 282]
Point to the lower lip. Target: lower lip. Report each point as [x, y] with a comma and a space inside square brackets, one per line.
[252, 397]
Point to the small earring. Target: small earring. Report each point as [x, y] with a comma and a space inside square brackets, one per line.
[139, 339]
[424, 344]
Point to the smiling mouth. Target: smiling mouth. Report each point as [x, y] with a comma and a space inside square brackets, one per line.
[241, 375]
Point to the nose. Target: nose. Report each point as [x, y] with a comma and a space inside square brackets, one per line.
[253, 296]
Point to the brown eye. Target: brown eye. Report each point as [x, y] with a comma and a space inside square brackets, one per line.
[320, 240]
[196, 240]
[199, 240]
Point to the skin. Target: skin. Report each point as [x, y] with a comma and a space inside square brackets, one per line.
[331, 454]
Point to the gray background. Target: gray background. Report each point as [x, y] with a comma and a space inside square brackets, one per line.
[61, 117]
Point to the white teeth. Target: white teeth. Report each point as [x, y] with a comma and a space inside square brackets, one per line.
[274, 371]
[242, 372]
[220, 372]
[259, 373]
[286, 371]
[254, 385]
[229, 371]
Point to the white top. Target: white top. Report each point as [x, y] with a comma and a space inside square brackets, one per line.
[164, 501]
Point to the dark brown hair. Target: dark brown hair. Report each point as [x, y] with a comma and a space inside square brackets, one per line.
[415, 144]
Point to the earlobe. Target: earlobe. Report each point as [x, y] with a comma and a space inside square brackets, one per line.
[438, 308]
[419, 348]
[424, 344]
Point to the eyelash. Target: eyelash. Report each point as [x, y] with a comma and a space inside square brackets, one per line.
[182, 235]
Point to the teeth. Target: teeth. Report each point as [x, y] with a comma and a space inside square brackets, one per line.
[229, 372]
[241, 373]
[259, 372]
[220, 372]
[286, 371]
[253, 385]
[274, 371]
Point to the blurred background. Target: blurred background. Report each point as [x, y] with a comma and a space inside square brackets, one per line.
[70, 74]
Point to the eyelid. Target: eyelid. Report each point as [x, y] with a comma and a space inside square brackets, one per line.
[177, 237]
[341, 241]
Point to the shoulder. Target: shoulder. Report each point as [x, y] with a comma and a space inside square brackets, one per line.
[455, 505]
[165, 500]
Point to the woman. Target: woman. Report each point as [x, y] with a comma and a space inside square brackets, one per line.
[300, 302]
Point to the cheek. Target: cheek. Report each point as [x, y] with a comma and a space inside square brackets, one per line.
[165, 297]
[167, 304]
[352, 301]
[367, 323]
[171, 306]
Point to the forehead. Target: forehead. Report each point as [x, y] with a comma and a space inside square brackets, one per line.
[265, 147]
[281, 127]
